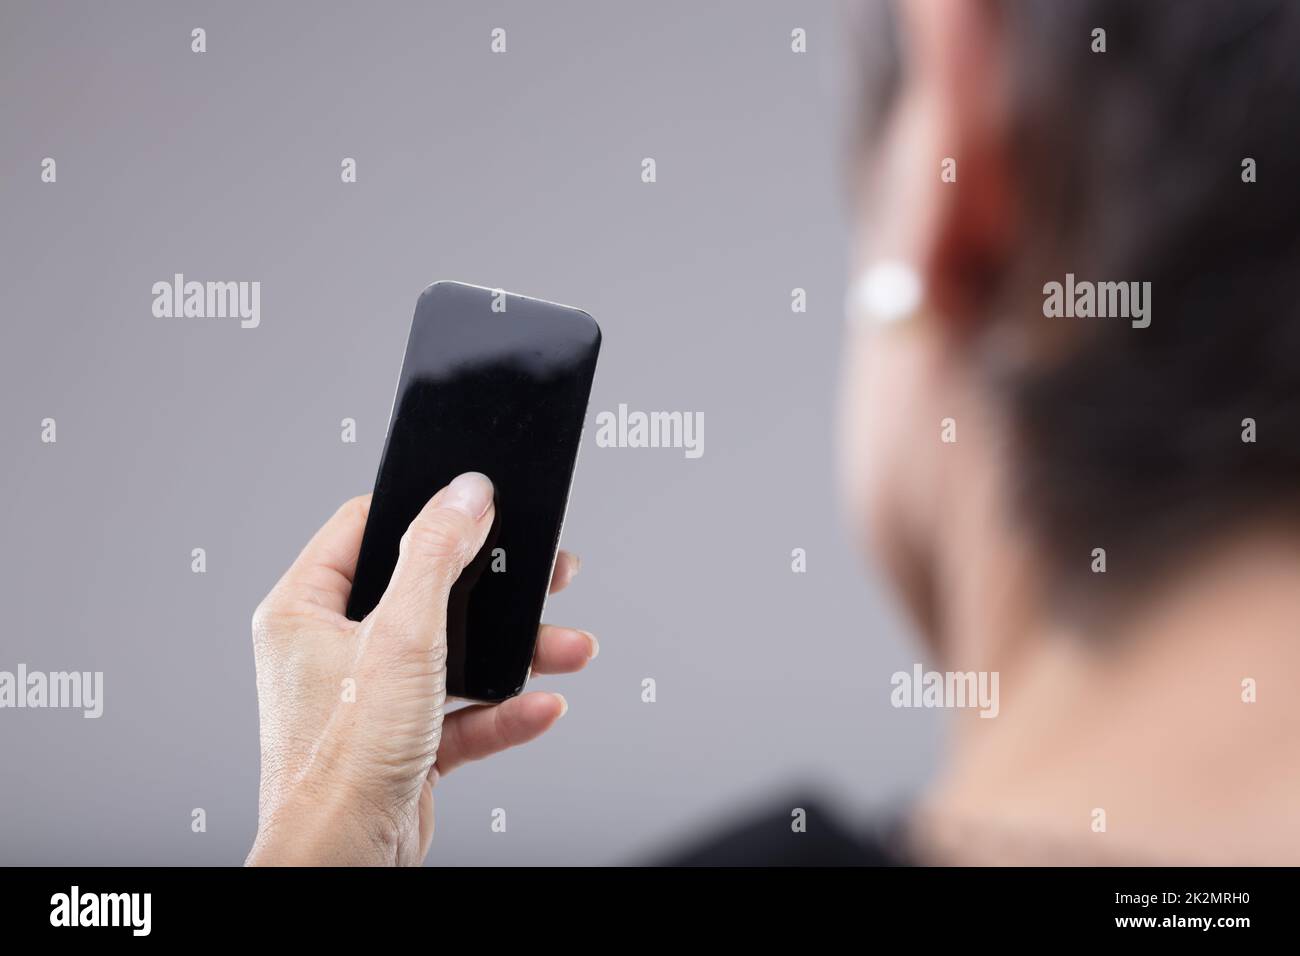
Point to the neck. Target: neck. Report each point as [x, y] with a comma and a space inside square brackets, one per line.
[1142, 730]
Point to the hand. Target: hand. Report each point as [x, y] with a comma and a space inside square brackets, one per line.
[353, 733]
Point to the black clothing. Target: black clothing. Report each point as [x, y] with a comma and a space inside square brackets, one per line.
[768, 838]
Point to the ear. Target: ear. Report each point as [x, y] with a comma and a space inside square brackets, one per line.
[958, 54]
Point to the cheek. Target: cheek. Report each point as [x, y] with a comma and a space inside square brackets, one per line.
[877, 441]
[863, 433]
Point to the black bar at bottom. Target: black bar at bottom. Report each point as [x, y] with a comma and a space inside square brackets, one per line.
[494, 906]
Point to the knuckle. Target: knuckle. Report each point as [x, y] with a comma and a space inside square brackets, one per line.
[441, 536]
[508, 726]
[396, 637]
[383, 631]
[358, 507]
[266, 617]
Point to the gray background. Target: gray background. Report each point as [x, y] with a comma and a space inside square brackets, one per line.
[521, 171]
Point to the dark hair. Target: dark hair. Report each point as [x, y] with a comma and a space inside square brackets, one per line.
[1129, 167]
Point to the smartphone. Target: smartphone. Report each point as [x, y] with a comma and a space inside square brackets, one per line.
[495, 383]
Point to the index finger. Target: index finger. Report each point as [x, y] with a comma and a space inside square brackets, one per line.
[322, 573]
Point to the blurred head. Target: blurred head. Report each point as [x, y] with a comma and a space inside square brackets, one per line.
[1114, 158]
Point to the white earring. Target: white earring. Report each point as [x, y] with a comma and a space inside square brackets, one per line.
[887, 292]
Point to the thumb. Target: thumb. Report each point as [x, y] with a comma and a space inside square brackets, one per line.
[440, 542]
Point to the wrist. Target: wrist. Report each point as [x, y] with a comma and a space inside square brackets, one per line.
[321, 831]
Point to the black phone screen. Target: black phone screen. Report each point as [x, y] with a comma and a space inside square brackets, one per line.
[494, 383]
